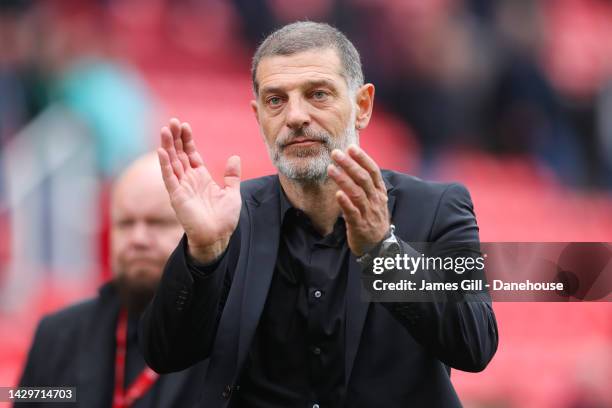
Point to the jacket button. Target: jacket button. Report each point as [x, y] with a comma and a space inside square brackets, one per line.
[227, 392]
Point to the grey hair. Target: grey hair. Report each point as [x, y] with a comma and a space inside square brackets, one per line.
[307, 35]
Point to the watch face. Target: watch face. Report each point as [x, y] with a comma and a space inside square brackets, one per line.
[390, 245]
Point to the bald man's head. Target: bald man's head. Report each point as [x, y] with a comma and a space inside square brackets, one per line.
[144, 231]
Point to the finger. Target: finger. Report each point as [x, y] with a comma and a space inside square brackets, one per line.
[170, 180]
[175, 131]
[231, 176]
[180, 152]
[354, 192]
[349, 211]
[176, 128]
[359, 175]
[195, 161]
[365, 161]
[168, 145]
[189, 147]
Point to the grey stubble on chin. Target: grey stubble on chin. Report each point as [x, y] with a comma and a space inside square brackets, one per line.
[312, 168]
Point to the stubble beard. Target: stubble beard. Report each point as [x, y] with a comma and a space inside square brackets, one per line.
[309, 164]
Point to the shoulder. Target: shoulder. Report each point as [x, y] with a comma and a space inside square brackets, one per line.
[430, 211]
[401, 184]
[67, 317]
[57, 334]
[54, 346]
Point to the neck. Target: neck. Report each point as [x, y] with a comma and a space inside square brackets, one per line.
[317, 200]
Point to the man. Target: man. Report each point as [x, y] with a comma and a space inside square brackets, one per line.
[92, 345]
[267, 279]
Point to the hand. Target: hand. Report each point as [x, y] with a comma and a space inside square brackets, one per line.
[362, 198]
[208, 212]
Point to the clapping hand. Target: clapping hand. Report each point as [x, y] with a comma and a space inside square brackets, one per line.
[208, 212]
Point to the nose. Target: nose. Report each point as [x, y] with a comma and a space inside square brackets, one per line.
[140, 235]
[297, 114]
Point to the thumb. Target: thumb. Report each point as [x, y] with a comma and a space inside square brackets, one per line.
[231, 176]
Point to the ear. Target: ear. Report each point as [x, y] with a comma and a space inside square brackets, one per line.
[365, 103]
[255, 108]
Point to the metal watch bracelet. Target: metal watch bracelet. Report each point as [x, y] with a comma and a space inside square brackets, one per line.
[388, 243]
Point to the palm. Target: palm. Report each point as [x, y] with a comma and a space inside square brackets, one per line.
[203, 208]
[207, 211]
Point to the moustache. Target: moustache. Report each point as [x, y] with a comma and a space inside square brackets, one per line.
[301, 133]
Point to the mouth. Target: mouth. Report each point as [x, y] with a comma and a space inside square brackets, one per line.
[142, 263]
[303, 142]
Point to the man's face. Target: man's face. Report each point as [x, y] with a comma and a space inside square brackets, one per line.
[305, 110]
[144, 231]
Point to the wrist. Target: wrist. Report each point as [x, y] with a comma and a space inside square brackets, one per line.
[386, 247]
[371, 247]
[207, 254]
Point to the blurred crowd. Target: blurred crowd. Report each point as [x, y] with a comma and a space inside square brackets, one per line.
[511, 77]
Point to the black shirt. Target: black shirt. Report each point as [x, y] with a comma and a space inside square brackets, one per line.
[297, 355]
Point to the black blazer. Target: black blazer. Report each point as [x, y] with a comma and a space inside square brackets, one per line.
[393, 357]
[76, 347]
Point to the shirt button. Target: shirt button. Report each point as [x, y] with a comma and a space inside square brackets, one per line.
[316, 351]
[317, 294]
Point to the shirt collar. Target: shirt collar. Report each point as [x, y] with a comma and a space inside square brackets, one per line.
[286, 207]
[285, 204]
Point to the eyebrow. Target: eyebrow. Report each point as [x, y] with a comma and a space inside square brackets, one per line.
[308, 85]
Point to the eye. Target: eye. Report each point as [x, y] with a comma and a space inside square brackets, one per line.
[124, 223]
[319, 95]
[274, 101]
[161, 222]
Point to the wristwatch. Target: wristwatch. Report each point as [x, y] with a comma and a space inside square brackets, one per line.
[389, 246]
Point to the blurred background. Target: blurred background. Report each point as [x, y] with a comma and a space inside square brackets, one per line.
[513, 98]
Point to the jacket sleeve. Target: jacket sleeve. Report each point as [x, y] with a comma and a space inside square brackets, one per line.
[178, 327]
[462, 331]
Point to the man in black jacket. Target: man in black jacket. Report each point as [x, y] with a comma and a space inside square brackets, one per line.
[92, 345]
[267, 280]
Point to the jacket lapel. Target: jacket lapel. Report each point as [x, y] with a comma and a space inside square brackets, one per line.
[265, 234]
[356, 308]
[96, 345]
[173, 386]
[170, 387]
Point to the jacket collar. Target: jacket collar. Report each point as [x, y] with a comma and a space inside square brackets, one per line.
[97, 341]
[270, 189]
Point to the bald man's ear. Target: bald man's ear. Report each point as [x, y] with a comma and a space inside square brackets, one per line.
[255, 109]
[364, 100]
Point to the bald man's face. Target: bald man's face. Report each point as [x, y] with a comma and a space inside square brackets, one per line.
[144, 231]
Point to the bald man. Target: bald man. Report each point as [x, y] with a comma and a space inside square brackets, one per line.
[82, 346]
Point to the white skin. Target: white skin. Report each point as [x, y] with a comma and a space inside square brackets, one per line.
[144, 228]
[304, 108]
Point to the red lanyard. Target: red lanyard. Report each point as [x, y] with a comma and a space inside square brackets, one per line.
[142, 383]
